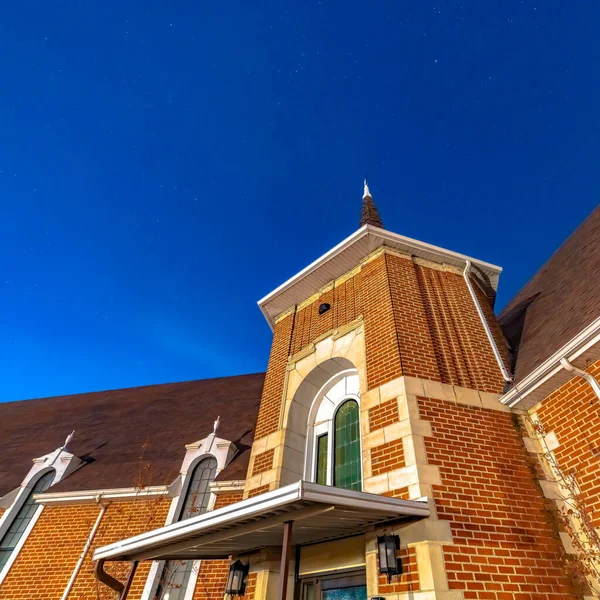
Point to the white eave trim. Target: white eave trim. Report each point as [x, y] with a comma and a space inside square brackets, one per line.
[382, 236]
[577, 346]
[91, 496]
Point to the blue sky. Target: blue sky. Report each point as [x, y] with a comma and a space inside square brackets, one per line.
[165, 165]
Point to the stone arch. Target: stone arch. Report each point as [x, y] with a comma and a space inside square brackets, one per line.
[330, 358]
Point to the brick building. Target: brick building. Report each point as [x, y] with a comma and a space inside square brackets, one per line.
[401, 425]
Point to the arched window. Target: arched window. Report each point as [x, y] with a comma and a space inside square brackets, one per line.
[23, 518]
[347, 462]
[176, 573]
[334, 451]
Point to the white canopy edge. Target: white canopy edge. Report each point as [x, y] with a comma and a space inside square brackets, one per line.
[298, 500]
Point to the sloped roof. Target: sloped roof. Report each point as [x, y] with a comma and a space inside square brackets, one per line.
[561, 299]
[112, 428]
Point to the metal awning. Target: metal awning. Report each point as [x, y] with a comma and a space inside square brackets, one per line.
[319, 513]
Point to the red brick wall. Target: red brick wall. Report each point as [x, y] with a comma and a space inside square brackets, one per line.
[227, 498]
[270, 404]
[384, 414]
[573, 413]
[387, 457]
[505, 542]
[263, 462]
[48, 557]
[418, 321]
[405, 583]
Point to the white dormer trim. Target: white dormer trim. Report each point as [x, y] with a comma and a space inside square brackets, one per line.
[211, 446]
[63, 463]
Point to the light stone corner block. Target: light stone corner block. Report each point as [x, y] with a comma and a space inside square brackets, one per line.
[467, 396]
[373, 439]
[551, 441]
[431, 567]
[532, 445]
[405, 477]
[435, 389]
[492, 402]
[377, 485]
[414, 385]
[392, 389]
[550, 489]
[395, 431]
[370, 399]
[429, 474]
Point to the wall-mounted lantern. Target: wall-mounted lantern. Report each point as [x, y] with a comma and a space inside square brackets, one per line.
[236, 582]
[387, 549]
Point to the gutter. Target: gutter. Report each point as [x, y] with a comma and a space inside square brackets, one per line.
[505, 374]
[574, 348]
[584, 374]
[86, 548]
[90, 496]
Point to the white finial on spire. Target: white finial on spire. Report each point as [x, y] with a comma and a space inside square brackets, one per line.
[216, 425]
[68, 440]
[366, 192]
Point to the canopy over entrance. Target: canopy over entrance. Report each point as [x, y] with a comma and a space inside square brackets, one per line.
[319, 513]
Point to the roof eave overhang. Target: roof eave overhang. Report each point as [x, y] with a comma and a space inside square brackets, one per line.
[348, 253]
[222, 532]
[581, 350]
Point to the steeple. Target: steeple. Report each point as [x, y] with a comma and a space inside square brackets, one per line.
[369, 214]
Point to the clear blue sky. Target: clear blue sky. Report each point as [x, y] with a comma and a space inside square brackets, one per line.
[165, 165]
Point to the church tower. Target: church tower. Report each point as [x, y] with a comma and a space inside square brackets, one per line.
[384, 377]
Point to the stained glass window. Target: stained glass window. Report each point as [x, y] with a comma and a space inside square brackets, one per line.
[347, 471]
[176, 573]
[322, 456]
[23, 519]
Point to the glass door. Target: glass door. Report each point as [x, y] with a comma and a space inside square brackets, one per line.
[335, 588]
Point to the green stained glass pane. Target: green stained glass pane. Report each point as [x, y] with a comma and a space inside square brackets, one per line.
[347, 471]
[322, 441]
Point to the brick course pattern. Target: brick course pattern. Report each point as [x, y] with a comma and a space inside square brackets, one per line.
[227, 498]
[405, 583]
[505, 542]
[572, 413]
[263, 462]
[387, 457]
[43, 567]
[418, 321]
[259, 490]
[384, 414]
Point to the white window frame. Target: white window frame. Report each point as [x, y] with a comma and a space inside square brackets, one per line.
[334, 395]
[60, 461]
[209, 447]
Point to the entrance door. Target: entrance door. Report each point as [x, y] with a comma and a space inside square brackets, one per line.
[335, 588]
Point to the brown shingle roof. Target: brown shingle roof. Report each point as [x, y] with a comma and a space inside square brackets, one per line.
[561, 299]
[112, 427]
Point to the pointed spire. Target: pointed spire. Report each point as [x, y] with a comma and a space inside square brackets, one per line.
[369, 214]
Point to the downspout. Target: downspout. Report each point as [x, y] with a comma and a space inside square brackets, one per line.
[86, 549]
[589, 378]
[506, 376]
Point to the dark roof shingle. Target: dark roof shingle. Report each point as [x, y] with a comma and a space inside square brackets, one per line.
[561, 299]
[112, 428]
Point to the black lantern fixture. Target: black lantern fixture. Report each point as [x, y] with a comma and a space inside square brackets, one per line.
[236, 582]
[387, 549]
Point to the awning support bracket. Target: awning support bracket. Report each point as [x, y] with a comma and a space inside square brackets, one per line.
[286, 550]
